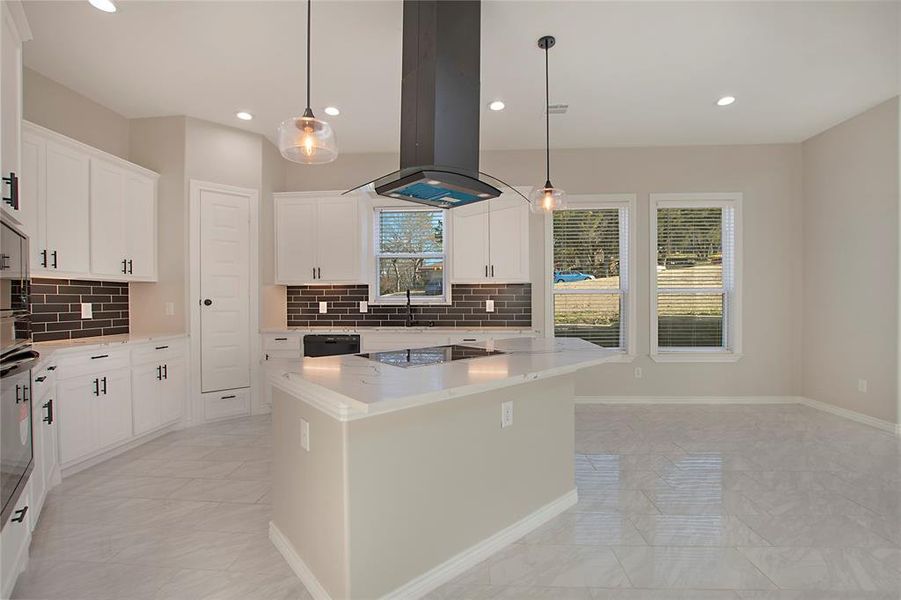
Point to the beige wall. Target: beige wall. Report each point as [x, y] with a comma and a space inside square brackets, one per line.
[770, 178]
[61, 109]
[851, 263]
[159, 144]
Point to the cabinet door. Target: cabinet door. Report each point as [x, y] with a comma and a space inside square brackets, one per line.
[108, 253]
[339, 246]
[31, 198]
[140, 226]
[77, 429]
[174, 391]
[113, 412]
[10, 100]
[146, 396]
[469, 243]
[509, 239]
[67, 199]
[295, 253]
[49, 442]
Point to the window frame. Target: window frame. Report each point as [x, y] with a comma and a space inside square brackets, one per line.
[732, 351]
[375, 297]
[628, 317]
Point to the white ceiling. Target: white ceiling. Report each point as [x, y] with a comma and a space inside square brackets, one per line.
[633, 73]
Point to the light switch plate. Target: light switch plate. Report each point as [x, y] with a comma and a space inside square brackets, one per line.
[489, 305]
[323, 308]
[305, 434]
[87, 310]
[364, 306]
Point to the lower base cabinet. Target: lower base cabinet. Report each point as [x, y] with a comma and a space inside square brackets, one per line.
[94, 412]
[158, 392]
[16, 538]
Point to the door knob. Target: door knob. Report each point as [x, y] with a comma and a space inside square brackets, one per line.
[207, 302]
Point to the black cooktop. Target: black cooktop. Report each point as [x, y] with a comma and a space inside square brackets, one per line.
[420, 357]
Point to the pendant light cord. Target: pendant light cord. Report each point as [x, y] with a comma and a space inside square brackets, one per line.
[547, 118]
[309, 13]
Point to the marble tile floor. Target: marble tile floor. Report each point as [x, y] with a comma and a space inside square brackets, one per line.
[777, 502]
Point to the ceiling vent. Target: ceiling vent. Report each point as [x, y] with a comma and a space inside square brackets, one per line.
[557, 109]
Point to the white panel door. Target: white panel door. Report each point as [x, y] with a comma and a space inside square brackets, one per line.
[140, 225]
[224, 289]
[113, 413]
[469, 243]
[338, 240]
[509, 235]
[295, 222]
[146, 392]
[77, 429]
[31, 197]
[108, 253]
[67, 200]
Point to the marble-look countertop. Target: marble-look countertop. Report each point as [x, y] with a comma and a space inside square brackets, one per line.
[349, 387]
[48, 350]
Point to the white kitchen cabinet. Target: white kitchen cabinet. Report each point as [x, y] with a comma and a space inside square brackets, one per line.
[158, 387]
[490, 241]
[14, 542]
[90, 215]
[317, 239]
[44, 430]
[95, 413]
[13, 31]
[123, 222]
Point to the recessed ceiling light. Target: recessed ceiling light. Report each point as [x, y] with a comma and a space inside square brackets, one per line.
[433, 182]
[104, 5]
[244, 115]
[332, 111]
[725, 101]
[497, 105]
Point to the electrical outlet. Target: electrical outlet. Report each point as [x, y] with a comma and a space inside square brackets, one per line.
[506, 414]
[638, 373]
[364, 306]
[489, 305]
[323, 308]
[862, 385]
[87, 310]
[305, 434]
[170, 309]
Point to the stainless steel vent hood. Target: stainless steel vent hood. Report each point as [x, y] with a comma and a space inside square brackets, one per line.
[440, 106]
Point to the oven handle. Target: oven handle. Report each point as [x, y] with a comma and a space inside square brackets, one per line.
[21, 361]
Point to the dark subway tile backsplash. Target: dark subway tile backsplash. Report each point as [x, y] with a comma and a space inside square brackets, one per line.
[512, 307]
[56, 308]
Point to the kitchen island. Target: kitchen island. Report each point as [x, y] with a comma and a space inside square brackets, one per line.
[393, 473]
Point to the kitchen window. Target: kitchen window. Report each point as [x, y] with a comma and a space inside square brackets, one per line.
[696, 279]
[591, 271]
[410, 254]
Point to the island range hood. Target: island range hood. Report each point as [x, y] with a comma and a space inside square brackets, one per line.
[440, 106]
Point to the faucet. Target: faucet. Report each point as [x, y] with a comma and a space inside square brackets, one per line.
[410, 321]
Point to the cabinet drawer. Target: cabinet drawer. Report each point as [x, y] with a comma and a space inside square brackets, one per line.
[230, 403]
[102, 359]
[158, 351]
[281, 341]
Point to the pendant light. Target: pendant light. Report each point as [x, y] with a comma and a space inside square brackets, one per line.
[547, 198]
[306, 139]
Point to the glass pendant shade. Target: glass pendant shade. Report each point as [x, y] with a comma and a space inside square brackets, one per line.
[547, 199]
[307, 140]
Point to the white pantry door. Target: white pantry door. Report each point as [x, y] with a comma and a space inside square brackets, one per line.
[224, 291]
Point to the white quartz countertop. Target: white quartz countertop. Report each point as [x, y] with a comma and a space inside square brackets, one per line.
[48, 350]
[350, 387]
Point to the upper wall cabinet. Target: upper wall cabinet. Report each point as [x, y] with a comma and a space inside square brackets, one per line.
[13, 31]
[317, 239]
[491, 241]
[90, 215]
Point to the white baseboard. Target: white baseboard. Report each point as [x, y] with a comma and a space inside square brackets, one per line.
[894, 428]
[686, 400]
[446, 571]
[297, 564]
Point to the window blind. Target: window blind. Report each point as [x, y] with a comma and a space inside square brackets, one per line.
[694, 277]
[590, 274]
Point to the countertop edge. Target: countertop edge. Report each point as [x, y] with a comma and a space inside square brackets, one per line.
[52, 349]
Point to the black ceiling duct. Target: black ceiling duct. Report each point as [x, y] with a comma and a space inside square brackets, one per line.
[440, 106]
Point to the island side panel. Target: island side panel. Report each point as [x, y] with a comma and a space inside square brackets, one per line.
[426, 483]
[308, 489]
